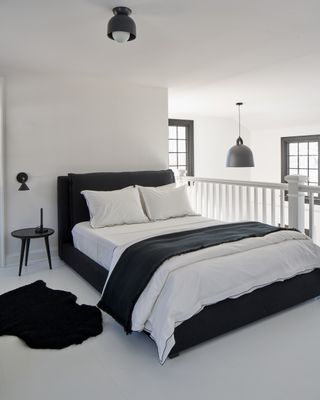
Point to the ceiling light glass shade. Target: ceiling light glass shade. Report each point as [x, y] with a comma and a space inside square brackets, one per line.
[121, 26]
[120, 36]
[240, 156]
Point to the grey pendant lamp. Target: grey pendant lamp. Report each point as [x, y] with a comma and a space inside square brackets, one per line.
[239, 155]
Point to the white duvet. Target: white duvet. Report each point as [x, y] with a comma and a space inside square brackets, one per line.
[184, 284]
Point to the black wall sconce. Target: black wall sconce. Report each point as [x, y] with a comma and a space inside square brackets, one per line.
[22, 178]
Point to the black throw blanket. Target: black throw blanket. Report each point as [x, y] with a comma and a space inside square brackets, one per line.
[47, 319]
[139, 262]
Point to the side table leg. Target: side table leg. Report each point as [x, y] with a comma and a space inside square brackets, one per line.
[27, 252]
[23, 245]
[46, 239]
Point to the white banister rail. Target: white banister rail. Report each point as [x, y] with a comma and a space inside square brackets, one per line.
[313, 195]
[282, 204]
[240, 183]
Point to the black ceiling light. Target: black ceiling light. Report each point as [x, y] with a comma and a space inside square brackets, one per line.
[121, 26]
[239, 155]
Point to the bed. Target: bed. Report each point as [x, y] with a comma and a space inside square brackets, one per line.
[89, 255]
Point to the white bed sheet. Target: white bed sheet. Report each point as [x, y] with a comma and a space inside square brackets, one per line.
[100, 244]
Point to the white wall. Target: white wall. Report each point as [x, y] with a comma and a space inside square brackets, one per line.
[266, 147]
[57, 125]
[2, 211]
[212, 139]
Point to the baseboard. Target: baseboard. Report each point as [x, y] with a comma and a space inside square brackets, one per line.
[35, 256]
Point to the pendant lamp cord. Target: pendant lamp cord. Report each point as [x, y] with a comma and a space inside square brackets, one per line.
[239, 140]
[239, 105]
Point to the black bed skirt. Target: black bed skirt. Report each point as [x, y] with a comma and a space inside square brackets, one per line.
[92, 272]
[231, 314]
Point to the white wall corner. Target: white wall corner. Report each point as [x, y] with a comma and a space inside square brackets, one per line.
[2, 166]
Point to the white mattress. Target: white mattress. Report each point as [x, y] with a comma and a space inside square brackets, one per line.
[100, 244]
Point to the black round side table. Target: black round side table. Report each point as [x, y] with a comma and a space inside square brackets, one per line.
[26, 235]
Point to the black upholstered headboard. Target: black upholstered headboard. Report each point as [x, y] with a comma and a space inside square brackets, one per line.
[72, 207]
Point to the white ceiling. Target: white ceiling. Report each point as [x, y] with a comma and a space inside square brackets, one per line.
[210, 53]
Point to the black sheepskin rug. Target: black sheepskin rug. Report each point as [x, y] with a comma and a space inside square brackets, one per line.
[47, 319]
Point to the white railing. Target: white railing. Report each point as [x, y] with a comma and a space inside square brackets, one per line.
[281, 204]
[312, 209]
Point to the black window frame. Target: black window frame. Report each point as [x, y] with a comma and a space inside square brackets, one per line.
[285, 141]
[189, 125]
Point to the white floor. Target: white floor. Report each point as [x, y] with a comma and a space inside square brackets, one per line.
[277, 358]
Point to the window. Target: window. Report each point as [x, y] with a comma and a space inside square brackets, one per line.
[181, 146]
[300, 155]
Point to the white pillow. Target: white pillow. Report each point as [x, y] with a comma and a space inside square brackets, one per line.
[164, 203]
[116, 207]
[163, 187]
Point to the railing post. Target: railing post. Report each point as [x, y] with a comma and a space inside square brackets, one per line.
[180, 177]
[296, 201]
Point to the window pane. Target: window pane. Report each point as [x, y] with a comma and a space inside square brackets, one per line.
[172, 146]
[303, 162]
[181, 132]
[313, 148]
[293, 149]
[313, 162]
[293, 162]
[172, 132]
[313, 175]
[178, 145]
[303, 172]
[182, 159]
[172, 159]
[303, 159]
[303, 149]
[182, 146]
